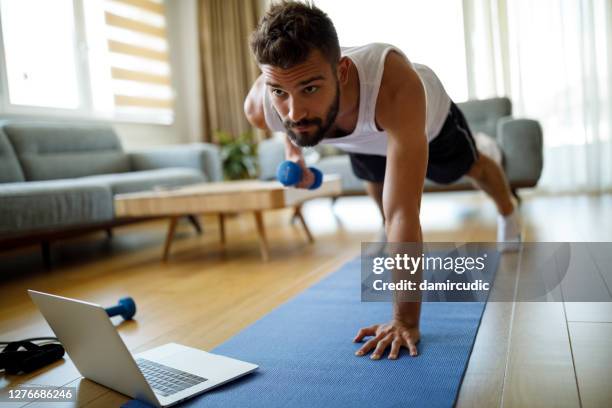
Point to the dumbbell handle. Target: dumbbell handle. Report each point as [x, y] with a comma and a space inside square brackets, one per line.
[126, 308]
[114, 310]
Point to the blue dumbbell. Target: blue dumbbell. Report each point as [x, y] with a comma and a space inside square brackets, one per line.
[290, 173]
[126, 308]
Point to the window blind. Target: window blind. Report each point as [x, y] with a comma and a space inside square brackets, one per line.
[137, 44]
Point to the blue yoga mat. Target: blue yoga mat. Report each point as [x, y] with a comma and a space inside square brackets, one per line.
[305, 352]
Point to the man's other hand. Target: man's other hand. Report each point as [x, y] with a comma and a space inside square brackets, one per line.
[308, 177]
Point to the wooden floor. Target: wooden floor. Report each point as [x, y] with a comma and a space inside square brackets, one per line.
[526, 354]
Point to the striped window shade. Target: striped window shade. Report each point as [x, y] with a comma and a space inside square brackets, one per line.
[129, 62]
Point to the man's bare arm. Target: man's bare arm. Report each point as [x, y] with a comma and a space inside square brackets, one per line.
[254, 112]
[402, 113]
[253, 104]
[407, 154]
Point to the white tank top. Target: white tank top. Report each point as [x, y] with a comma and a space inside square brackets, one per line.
[366, 138]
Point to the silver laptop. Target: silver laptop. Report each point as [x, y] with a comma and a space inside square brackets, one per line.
[162, 376]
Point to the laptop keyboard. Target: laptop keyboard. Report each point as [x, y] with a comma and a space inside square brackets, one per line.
[166, 380]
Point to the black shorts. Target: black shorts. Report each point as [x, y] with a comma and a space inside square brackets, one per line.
[451, 154]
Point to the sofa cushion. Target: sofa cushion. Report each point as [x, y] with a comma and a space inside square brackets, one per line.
[10, 170]
[49, 151]
[270, 153]
[43, 205]
[341, 165]
[148, 179]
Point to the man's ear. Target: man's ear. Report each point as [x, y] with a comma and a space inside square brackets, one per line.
[342, 69]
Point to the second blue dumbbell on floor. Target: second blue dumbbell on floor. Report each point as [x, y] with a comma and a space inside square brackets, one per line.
[126, 308]
[290, 173]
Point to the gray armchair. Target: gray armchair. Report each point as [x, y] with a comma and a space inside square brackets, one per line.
[520, 140]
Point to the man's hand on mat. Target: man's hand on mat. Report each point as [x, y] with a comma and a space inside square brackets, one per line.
[396, 334]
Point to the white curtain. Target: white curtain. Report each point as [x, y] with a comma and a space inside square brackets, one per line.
[553, 58]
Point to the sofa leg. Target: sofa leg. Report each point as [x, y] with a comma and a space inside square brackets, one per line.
[45, 248]
[196, 223]
[294, 217]
[516, 195]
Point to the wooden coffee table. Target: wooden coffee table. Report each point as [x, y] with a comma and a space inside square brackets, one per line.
[222, 198]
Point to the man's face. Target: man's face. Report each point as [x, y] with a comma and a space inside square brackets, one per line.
[306, 97]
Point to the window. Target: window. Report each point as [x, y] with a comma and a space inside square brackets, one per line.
[93, 58]
[40, 69]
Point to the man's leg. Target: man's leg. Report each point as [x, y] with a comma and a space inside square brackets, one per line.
[489, 177]
[375, 191]
[453, 152]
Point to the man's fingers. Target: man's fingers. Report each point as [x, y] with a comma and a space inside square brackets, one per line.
[369, 345]
[396, 344]
[384, 338]
[307, 177]
[302, 184]
[381, 347]
[363, 332]
[411, 344]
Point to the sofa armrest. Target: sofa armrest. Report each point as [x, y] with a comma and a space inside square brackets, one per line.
[270, 153]
[205, 157]
[522, 145]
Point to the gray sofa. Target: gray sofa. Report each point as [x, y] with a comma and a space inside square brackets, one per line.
[520, 141]
[57, 176]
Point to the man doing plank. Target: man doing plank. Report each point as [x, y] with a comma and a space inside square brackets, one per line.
[392, 116]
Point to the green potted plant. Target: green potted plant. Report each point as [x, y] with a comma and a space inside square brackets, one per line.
[239, 155]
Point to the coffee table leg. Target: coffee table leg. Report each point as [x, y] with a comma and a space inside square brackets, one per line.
[196, 223]
[298, 214]
[169, 237]
[261, 233]
[222, 228]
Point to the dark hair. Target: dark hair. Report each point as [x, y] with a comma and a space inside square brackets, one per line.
[289, 31]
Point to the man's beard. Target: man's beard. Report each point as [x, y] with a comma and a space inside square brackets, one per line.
[322, 128]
